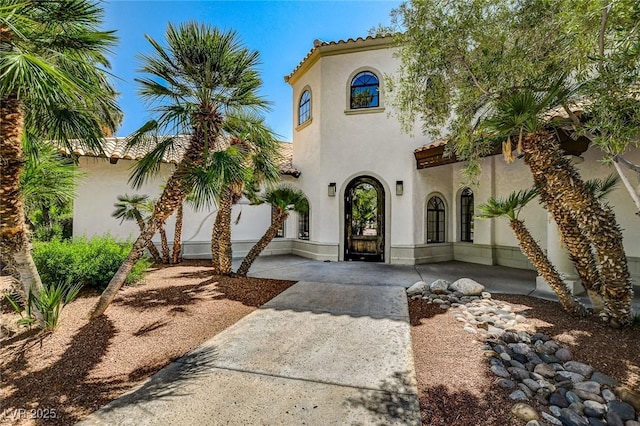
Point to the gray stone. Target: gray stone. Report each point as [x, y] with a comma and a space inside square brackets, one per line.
[550, 419]
[533, 423]
[520, 358]
[555, 410]
[506, 384]
[632, 423]
[505, 356]
[510, 337]
[485, 295]
[603, 379]
[545, 370]
[519, 373]
[518, 395]
[594, 409]
[584, 395]
[531, 384]
[520, 348]
[524, 388]
[564, 355]
[500, 371]
[577, 407]
[613, 419]
[572, 397]
[525, 412]
[622, 409]
[550, 347]
[578, 367]
[540, 336]
[593, 421]
[569, 417]
[439, 286]
[533, 357]
[629, 396]
[444, 307]
[517, 364]
[558, 399]
[550, 359]
[608, 395]
[574, 377]
[590, 386]
[467, 286]
[438, 301]
[417, 289]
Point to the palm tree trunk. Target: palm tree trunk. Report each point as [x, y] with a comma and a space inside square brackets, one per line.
[597, 222]
[221, 236]
[278, 220]
[578, 245]
[534, 253]
[150, 246]
[172, 196]
[164, 243]
[177, 236]
[15, 245]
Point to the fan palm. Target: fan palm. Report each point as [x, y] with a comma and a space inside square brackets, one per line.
[52, 87]
[196, 83]
[177, 236]
[283, 199]
[131, 207]
[521, 115]
[510, 208]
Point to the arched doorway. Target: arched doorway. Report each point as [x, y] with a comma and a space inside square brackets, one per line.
[364, 220]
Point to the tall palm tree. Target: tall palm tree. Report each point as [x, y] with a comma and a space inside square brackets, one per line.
[197, 82]
[177, 236]
[132, 207]
[53, 86]
[283, 199]
[510, 208]
[523, 115]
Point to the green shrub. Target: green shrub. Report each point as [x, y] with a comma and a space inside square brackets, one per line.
[88, 262]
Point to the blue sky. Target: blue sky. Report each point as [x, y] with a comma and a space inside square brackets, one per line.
[282, 31]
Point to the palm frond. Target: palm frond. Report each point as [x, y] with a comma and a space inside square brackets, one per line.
[509, 206]
[601, 188]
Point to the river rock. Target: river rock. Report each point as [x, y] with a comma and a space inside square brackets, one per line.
[525, 412]
[518, 395]
[589, 396]
[564, 355]
[559, 400]
[467, 286]
[545, 370]
[622, 409]
[578, 367]
[417, 289]
[574, 377]
[613, 419]
[439, 286]
[551, 419]
[603, 379]
[590, 386]
[500, 371]
[569, 417]
[629, 396]
[594, 409]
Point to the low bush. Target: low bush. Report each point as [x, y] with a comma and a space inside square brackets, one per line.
[88, 262]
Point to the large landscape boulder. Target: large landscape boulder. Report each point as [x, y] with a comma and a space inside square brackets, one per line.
[467, 286]
[439, 286]
[417, 289]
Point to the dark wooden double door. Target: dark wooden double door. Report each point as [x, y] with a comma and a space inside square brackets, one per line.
[364, 220]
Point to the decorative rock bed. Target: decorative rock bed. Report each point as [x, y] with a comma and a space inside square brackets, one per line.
[532, 366]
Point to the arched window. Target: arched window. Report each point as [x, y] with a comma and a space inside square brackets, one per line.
[303, 225]
[466, 215]
[435, 220]
[364, 90]
[304, 107]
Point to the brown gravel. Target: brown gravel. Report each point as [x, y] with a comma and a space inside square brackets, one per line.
[454, 382]
[84, 365]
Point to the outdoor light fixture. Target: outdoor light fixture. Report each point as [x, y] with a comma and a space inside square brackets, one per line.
[332, 189]
[399, 187]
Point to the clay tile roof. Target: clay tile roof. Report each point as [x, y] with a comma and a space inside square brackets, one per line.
[116, 148]
[319, 43]
[430, 145]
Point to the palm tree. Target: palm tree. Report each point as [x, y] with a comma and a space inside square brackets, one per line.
[510, 207]
[48, 180]
[53, 86]
[523, 115]
[177, 236]
[283, 199]
[202, 78]
[131, 207]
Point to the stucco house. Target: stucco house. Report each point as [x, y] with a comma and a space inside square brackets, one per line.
[375, 192]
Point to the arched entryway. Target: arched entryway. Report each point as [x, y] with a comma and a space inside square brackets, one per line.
[364, 220]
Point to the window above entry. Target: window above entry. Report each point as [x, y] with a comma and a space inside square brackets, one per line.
[304, 107]
[365, 91]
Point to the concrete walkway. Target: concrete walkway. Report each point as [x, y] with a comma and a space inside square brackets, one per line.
[334, 349]
[318, 354]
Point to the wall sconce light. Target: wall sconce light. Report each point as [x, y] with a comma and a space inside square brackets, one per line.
[399, 187]
[332, 189]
